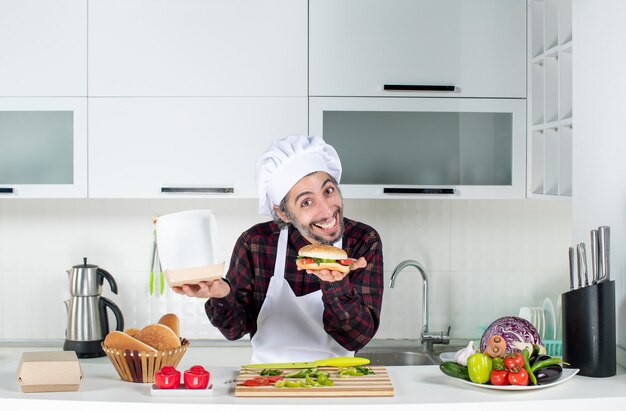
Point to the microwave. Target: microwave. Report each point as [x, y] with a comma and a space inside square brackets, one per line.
[395, 147]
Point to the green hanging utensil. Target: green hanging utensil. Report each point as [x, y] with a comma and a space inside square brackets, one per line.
[158, 261]
[153, 263]
[161, 280]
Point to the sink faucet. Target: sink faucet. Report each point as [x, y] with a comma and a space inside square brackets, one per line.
[427, 339]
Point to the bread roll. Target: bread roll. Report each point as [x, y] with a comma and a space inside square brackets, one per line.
[159, 336]
[323, 251]
[122, 341]
[131, 331]
[323, 266]
[171, 320]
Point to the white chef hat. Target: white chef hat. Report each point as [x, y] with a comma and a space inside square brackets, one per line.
[286, 161]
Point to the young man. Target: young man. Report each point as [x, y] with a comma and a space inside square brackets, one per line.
[294, 315]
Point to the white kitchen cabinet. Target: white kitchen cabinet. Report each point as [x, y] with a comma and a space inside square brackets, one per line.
[399, 148]
[171, 147]
[550, 119]
[43, 48]
[198, 48]
[43, 147]
[478, 47]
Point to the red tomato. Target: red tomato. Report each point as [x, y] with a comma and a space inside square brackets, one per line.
[518, 378]
[196, 378]
[306, 261]
[514, 362]
[345, 262]
[262, 380]
[167, 378]
[273, 378]
[499, 377]
[251, 382]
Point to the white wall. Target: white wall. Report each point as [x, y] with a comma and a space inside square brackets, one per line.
[599, 95]
[485, 259]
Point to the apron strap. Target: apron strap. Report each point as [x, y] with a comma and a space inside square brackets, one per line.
[281, 253]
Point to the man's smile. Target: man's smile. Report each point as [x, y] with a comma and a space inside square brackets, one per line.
[327, 225]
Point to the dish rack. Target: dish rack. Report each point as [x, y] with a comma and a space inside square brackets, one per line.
[554, 348]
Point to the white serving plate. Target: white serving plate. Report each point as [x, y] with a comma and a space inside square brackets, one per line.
[566, 375]
[447, 356]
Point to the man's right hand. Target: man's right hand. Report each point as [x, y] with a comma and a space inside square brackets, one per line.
[215, 289]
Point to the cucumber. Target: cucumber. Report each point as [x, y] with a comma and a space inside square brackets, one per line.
[455, 370]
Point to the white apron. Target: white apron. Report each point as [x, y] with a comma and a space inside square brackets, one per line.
[290, 328]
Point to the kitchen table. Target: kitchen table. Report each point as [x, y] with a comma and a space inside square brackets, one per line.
[416, 387]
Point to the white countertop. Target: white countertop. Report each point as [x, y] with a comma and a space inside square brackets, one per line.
[416, 387]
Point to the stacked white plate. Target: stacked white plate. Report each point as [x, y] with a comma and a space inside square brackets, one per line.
[536, 316]
[547, 321]
[550, 320]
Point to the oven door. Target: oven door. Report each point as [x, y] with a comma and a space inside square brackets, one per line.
[425, 147]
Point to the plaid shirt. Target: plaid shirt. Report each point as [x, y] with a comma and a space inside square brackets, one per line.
[351, 306]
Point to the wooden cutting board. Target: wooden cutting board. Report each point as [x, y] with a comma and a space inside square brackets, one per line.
[373, 385]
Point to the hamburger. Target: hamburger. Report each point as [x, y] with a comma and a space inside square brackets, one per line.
[323, 257]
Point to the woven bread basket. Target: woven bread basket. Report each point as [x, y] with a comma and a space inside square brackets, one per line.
[140, 366]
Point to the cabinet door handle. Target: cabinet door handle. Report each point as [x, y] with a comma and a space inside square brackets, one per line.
[419, 87]
[394, 190]
[192, 190]
[6, 190]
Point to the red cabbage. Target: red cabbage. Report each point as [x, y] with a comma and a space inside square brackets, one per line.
[513, 330]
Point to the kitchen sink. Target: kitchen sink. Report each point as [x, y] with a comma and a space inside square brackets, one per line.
[395, 353]
[402, 356]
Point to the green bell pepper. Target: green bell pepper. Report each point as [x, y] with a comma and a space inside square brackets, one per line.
[479, 367]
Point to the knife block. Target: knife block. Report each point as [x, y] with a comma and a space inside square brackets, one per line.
[589, 337]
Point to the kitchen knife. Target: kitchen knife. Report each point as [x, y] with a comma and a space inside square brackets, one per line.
[594, 256]
[579, 255]
[572, 264]
[329, 362]
[582, 263]
[604, 253]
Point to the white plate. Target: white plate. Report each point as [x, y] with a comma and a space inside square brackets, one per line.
[534, 318]
[566, 375]
[541, 321]
[447, 356]
[181, 392]
[526, 313]
[550, 330]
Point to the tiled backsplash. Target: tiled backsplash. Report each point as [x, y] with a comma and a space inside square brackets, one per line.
[484, 259]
